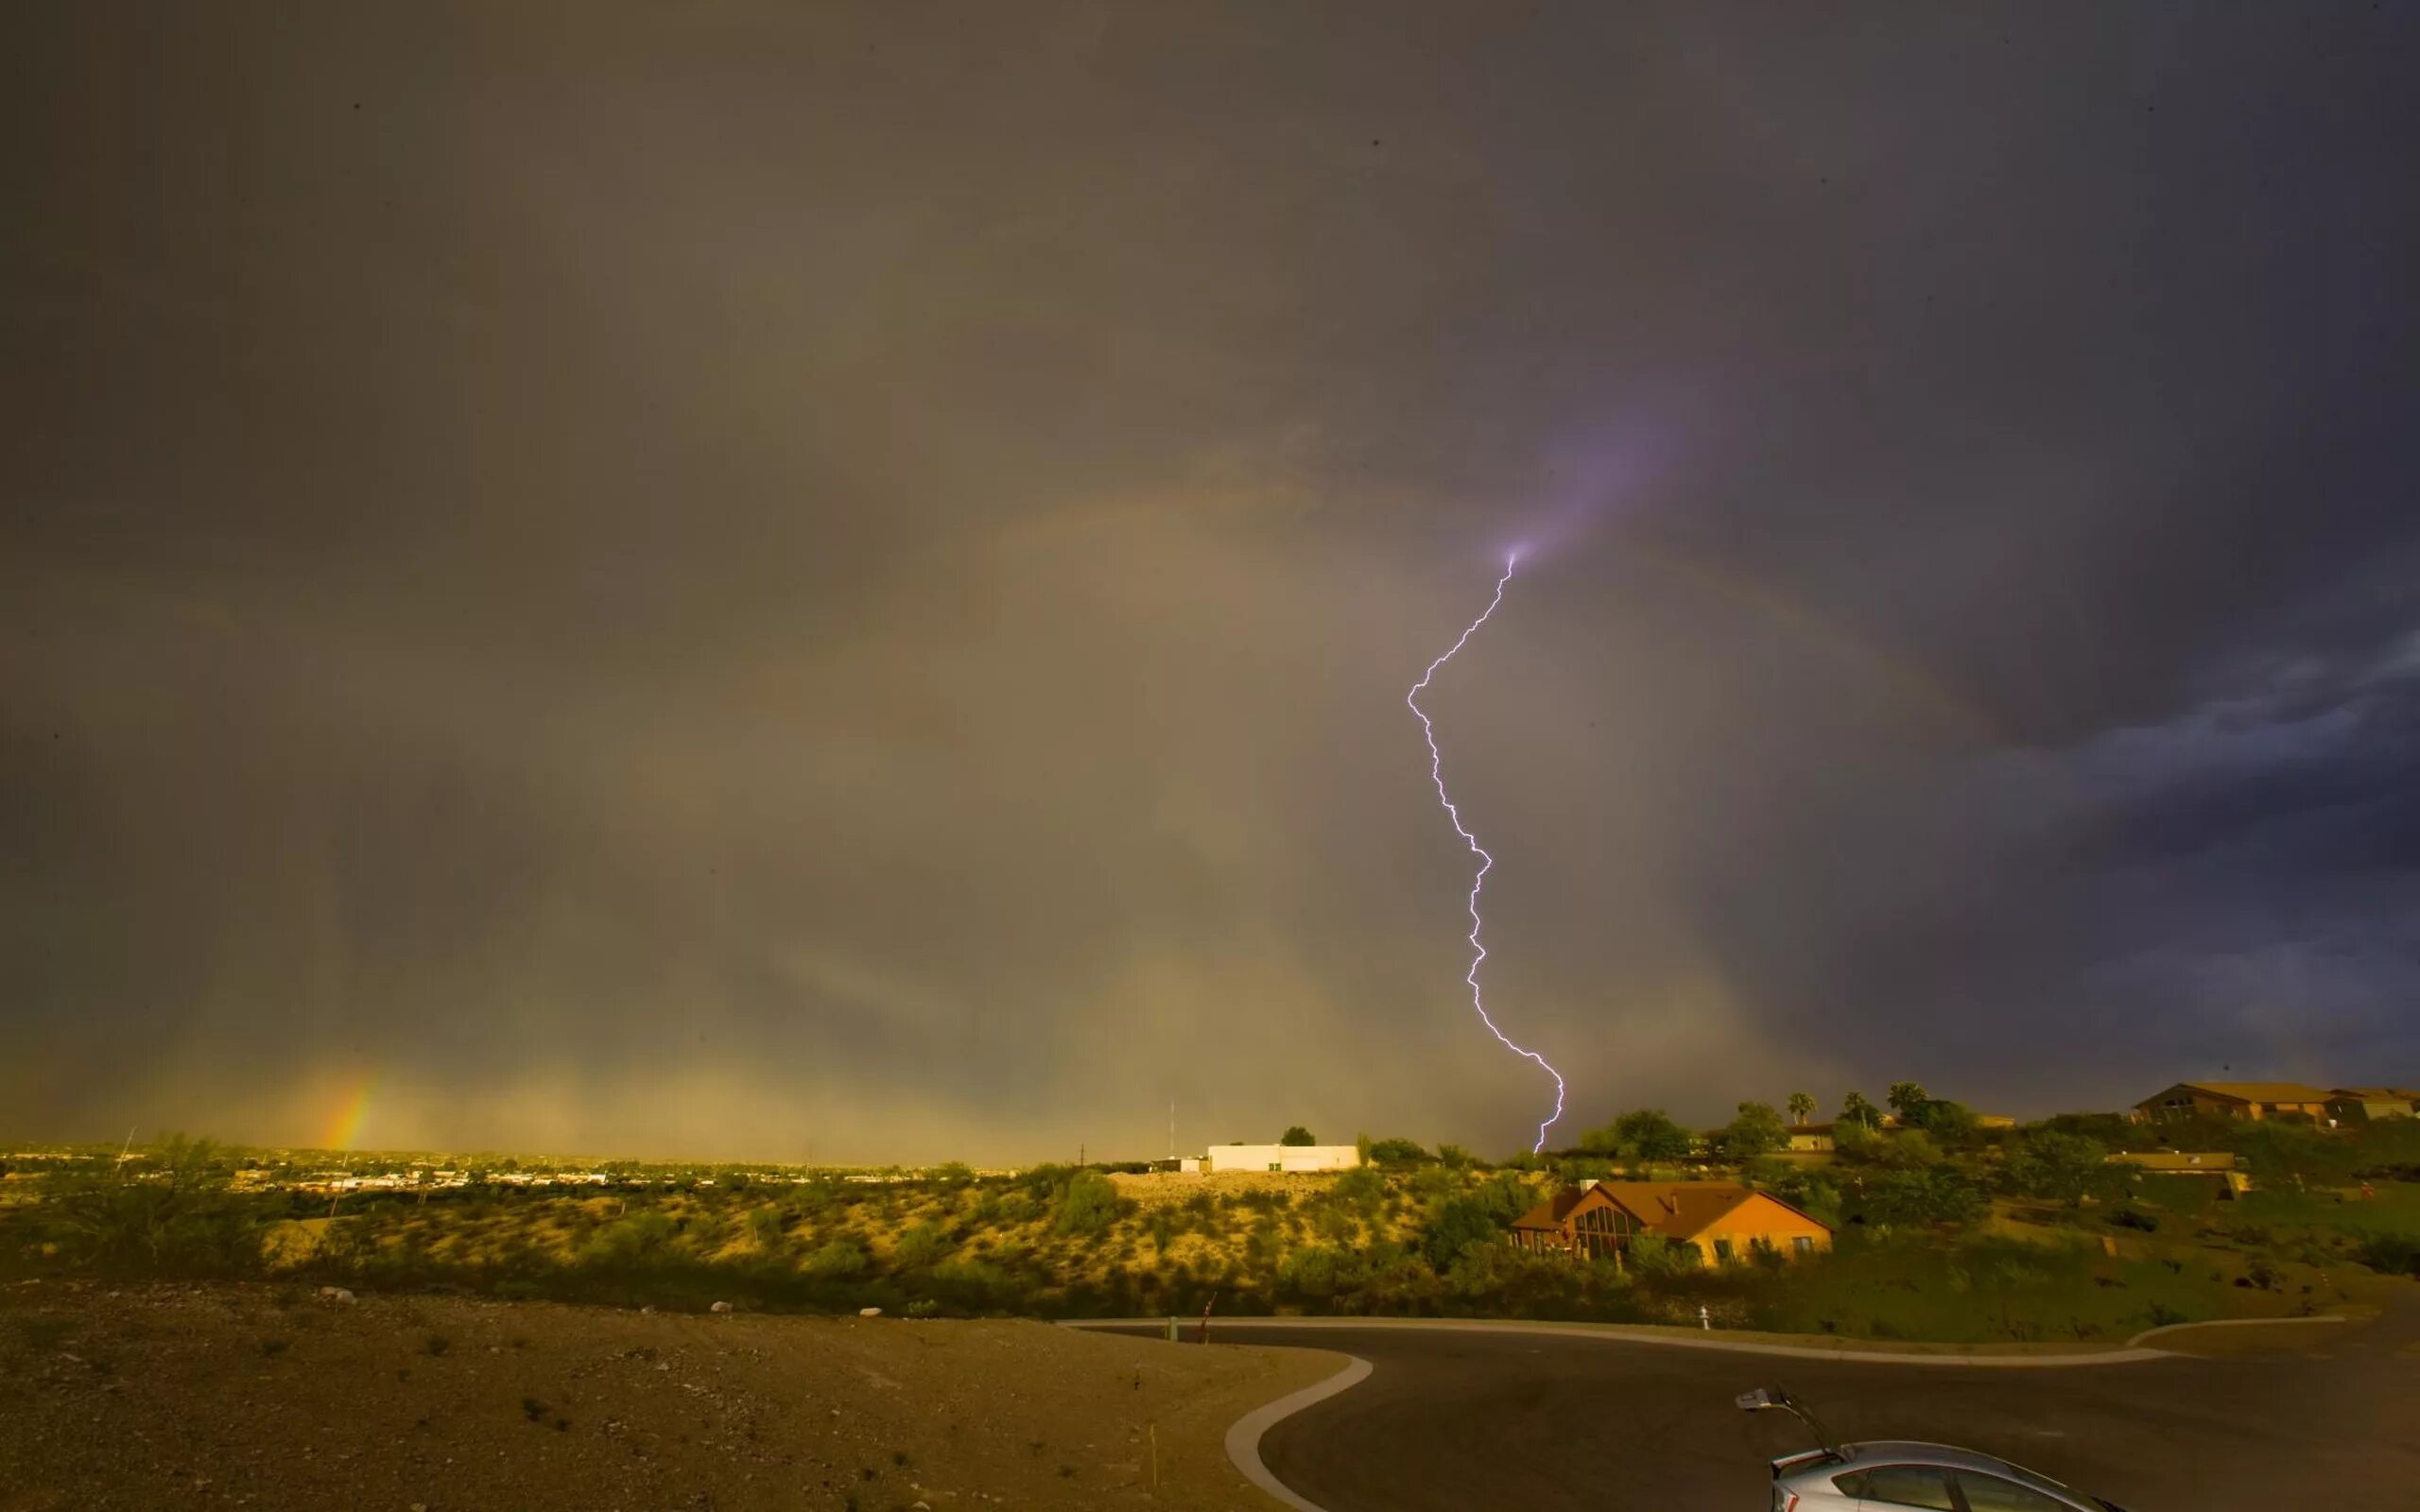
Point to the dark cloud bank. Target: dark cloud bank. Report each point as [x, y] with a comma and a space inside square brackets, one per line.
[749, 580]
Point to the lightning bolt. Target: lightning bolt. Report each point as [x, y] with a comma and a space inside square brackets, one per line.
[1486, 862]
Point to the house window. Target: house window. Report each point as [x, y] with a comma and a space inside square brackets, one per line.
[1803, 1245]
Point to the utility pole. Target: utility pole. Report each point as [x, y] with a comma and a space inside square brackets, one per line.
[1171, 1131]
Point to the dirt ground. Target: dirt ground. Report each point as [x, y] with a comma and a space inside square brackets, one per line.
[210, 1397]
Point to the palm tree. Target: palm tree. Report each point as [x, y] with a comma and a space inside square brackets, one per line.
[1802, 1107]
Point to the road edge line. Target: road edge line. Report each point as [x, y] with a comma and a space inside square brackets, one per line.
[1243, 1437]
[2129, 1354]
[2232, 1322]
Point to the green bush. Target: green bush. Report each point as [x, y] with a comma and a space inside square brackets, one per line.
[1457, 1223]
[641, 1240]
[1934, 1195]
[169, 1211]
[1317, 1272]
[2395, 1254]
[1756, 1130]
[1653, 1255]
[1361, 1186]
[926, 1244]
[1088, 1206]
[2055, 1167]
[976, 1286]
[838, 1261]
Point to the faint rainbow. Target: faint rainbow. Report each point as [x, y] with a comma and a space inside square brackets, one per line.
[1910, 681]
[345, 1127]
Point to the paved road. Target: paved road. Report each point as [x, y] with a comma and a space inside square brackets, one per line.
[1459, 1422]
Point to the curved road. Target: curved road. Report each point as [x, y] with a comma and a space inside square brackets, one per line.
[1455, 1420]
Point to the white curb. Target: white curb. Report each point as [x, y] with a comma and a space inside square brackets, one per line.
[1243, 1439]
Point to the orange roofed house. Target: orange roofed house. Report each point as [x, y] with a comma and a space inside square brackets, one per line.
[2232, 1099]
[1723, 1219]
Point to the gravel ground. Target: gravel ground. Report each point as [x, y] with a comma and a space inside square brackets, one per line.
[204, 1396]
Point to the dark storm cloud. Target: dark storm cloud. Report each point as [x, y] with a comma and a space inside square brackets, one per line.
[758, 580]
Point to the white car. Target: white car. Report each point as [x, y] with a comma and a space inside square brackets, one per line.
[1900, 1474]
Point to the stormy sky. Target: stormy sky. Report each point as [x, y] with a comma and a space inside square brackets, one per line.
[838, 582]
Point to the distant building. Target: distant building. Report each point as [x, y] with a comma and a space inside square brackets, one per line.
[1288, 1158]
[2358, 1105]
[1724, 1220]
[2232, 1099]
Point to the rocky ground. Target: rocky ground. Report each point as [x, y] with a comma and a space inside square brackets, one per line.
[256, 1397]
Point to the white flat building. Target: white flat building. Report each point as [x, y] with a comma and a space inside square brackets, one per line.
[1279, 1158]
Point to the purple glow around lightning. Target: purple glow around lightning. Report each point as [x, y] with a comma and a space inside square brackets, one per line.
[1486, 862]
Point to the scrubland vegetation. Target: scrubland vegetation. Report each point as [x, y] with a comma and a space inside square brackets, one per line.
[1947, 1231]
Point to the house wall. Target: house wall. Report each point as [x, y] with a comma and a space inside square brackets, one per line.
[1292, 1158]
[2353, 1109]
[2194, 1103]
[1760, 1217]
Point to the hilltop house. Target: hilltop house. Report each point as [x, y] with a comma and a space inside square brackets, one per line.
[1288, 1158]
[2232, 1099]
[1724, 1220]
[2358, 1105]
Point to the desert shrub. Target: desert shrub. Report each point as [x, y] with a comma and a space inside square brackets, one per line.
[1018, 1207]
[1652, 1255]
[974, 1286]
[2279, 1151]
[926, 1244]
[1432, 1184]
[1498, 1277]
[1335, 1223]
[170, 1212]
[1397, 1152]
[1455, 1156]
[1317, 1273]
[1087, 1206]
[1362, 1187]
[2055, 1167]
[641, 1240]
[1506, 1196]
[2395, 1254]
[1458, 1223]
[766, 1227]
[838, 1261]
[1807, 1191]
[1930, 1197]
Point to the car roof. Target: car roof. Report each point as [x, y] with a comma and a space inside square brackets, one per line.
[1916, 1451]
